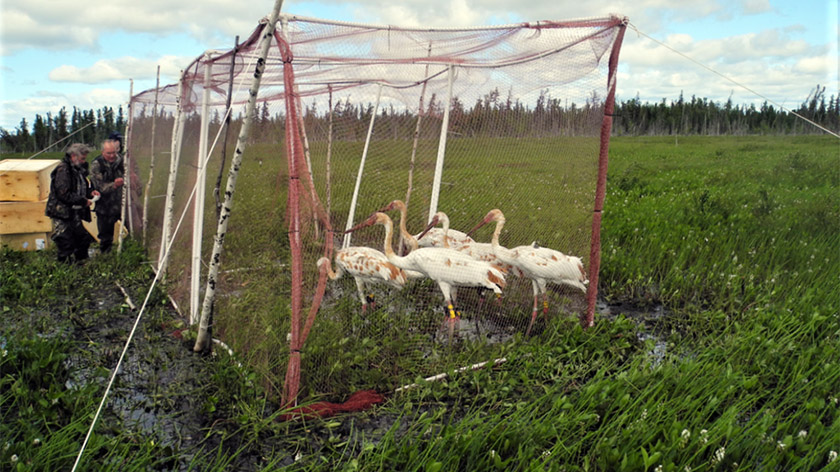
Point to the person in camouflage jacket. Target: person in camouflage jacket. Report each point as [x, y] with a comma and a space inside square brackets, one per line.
[69, 202]
[107, 173]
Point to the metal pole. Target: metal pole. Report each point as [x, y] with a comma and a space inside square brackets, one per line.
[329, 157]
[198, 203]
[588, 319]
[444, 129]
[352, 214]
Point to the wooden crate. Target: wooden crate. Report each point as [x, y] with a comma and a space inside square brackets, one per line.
[25, 180]
[24, 217]
[26, 242]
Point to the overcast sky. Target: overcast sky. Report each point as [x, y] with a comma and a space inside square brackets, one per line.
[56, 53]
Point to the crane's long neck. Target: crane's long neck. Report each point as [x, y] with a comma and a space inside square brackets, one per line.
[500, 223]
[404, 234]
[389, 237]
[445, 222]
[325, 262]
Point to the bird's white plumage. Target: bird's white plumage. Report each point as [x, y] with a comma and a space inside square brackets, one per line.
[366, 266]
[474, 249]
[434, 238]
[445, 266]
[540, 264]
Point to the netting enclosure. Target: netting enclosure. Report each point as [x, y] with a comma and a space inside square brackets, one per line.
[347, 119]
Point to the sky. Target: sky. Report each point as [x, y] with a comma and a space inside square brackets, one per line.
[56, 53]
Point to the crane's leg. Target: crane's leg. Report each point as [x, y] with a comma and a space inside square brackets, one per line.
[360, 287]
[454, 317]
[534, 311]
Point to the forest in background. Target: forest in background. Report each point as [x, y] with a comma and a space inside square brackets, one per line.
[491, 115]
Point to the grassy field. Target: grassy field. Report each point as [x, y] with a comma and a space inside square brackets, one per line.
[717, 348]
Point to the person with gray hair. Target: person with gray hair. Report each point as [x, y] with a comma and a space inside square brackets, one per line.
[107, 173]
[69, 202]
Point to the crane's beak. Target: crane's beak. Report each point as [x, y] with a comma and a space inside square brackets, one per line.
[432, 224]
[470, 232]
[388, 207]
[371, 220]
[487, 218]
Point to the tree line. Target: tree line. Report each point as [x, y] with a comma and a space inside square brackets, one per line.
[90, 127]
[700, 116]
[492, 115]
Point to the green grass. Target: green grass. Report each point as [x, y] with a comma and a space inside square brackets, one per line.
[736, 237]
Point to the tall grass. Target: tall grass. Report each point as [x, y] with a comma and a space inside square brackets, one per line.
[738, 238]
[730, 241]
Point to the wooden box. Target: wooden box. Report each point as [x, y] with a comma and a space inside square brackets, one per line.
[24, 217]
[26, 242]
[25, 180]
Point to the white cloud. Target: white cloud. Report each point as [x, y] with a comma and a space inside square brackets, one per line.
[773, 61]
[816, 65]
[49, 102]
[122, 68]
[20, 29]
[754, 7]
[63, 24]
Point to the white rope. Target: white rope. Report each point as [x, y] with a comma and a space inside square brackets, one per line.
[143, 307]
[127, 343]
[734, 81]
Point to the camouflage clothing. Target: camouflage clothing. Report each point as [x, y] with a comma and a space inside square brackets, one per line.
[67, 206]
[109, 206]
[102, 176]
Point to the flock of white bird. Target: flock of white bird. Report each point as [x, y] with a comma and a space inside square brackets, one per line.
[452, 259]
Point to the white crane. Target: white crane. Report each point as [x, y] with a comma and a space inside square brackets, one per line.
[474, 249]
[406, 239]
[540, 264]
[431, 236]
[366, 266]
[447, 267]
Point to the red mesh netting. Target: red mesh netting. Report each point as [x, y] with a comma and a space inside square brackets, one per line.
[348, 119]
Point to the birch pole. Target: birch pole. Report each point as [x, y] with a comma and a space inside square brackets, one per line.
[151, 159]
[202, 342]
[126, 165]
[174, 155]
[416, 135]
[217, 188]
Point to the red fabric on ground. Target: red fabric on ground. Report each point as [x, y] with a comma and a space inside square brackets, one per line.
[359, 401]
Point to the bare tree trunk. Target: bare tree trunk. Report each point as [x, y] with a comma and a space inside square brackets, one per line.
[174, 155]
[151, 159]
[202, 341]
[216, 189]
[126, 196]
[416, 137]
